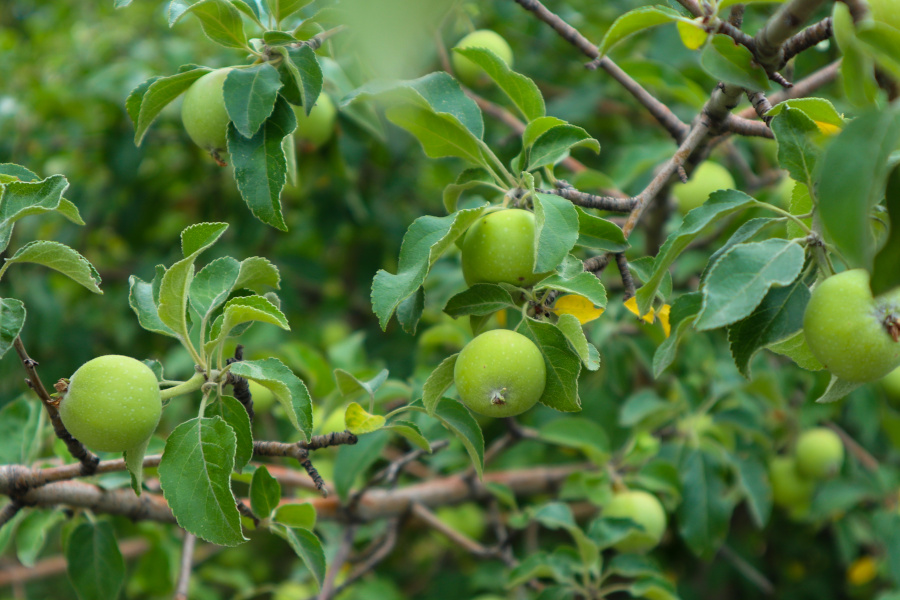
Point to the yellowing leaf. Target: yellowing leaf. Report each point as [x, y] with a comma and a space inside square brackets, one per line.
[631, 304]
[663, 315]
[692, 33]
[862, 570]
[578, 306]
[359, 421]
[501, 318]
[827, 128]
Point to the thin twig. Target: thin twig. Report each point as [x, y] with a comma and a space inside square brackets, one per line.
[610, 203]
[239, 384]
[861, 454]
[187, 561]
[808, 38]
[747, 570]
[337, 563]
[625, 272]
[88, 459]
[457, 537]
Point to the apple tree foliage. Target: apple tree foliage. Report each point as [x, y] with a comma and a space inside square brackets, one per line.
[677, 368]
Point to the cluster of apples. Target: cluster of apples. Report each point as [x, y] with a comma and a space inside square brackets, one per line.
[818, 455]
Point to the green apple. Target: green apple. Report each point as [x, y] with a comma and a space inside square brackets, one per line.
[820, 453]
[790, 490]
[886, 11]
[644, 509]
[706, 179]
[112, 403]
[315, 129]
[466, 518]
[500, 373]
[203, 113]
[849, 331]
[467, 71]
[499, 248]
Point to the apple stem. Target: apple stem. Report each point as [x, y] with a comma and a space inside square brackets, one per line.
[498, 396]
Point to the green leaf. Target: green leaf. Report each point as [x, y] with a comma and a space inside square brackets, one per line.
[245, 309]
[134, 463]
[285, 8]
[732, 63]
[308, 548]
[886, 272]
[301, 75]
[563, 365]
[779, 315]
[175, 283]
[555, 230]
[438, 382]
[356, 459]
[796, 348]
[359, 421]
[31, 535]
[410, 311]
[235, 414]
[584, 284]
[411, 432]
[440, 134]
[12, 318]
[459, 421]
[857, 65]
[740, 279]
[554, 145]
[195, 476]
[250, 96]
[882, 42]
[436, 92]
[94, 564]
[349, 385]
[837, 389]
[480, 299]
[798, 151]
[20, 199]
[256, 274]
[142, 302]
[720, 204]
[852, 181]
[265, 493]
[653, 588]
[18, 171]
[521, 90]
[571, 328]
[148, 99]
[754, 482]
[211, 286]
[684, 311]
[425, 240]
[637, 20]
[288, 389]
[819, 110]
[557, 515]
[466, 180]
[260, 169]
[59, 257]
[579, 433]
[220, 21]
[743, 233]
[599, 234]
[705, 512]
[297, 516]
[20, 422]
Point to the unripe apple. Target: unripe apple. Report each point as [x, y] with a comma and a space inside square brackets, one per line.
[644, 509]
[886, 11]
[849, 331]
[499, 248]
[112, 403]
[706, 179]
[500, 373]
[203, 112]
[790, 490]
[820, 453]
[315, 129]
[469, 72]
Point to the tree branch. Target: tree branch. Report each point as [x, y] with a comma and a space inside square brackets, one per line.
[808, 38]
[787, 20]
[187, 561]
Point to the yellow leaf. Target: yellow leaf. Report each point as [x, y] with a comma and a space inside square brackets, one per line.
[359, 421]
[631, 304]
[663, 315]
[827, 128]
[862, 570]
[578, 306]
[692, 33]
[501, 318]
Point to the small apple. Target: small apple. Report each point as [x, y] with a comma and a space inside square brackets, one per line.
[853, 334]
[500, 373]
[820, 453]
[644, 509]
[790, 489]
[706, 179]
[112, 403]
[315, 129]
[499, 248]
[470, 73]
[203, 113]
